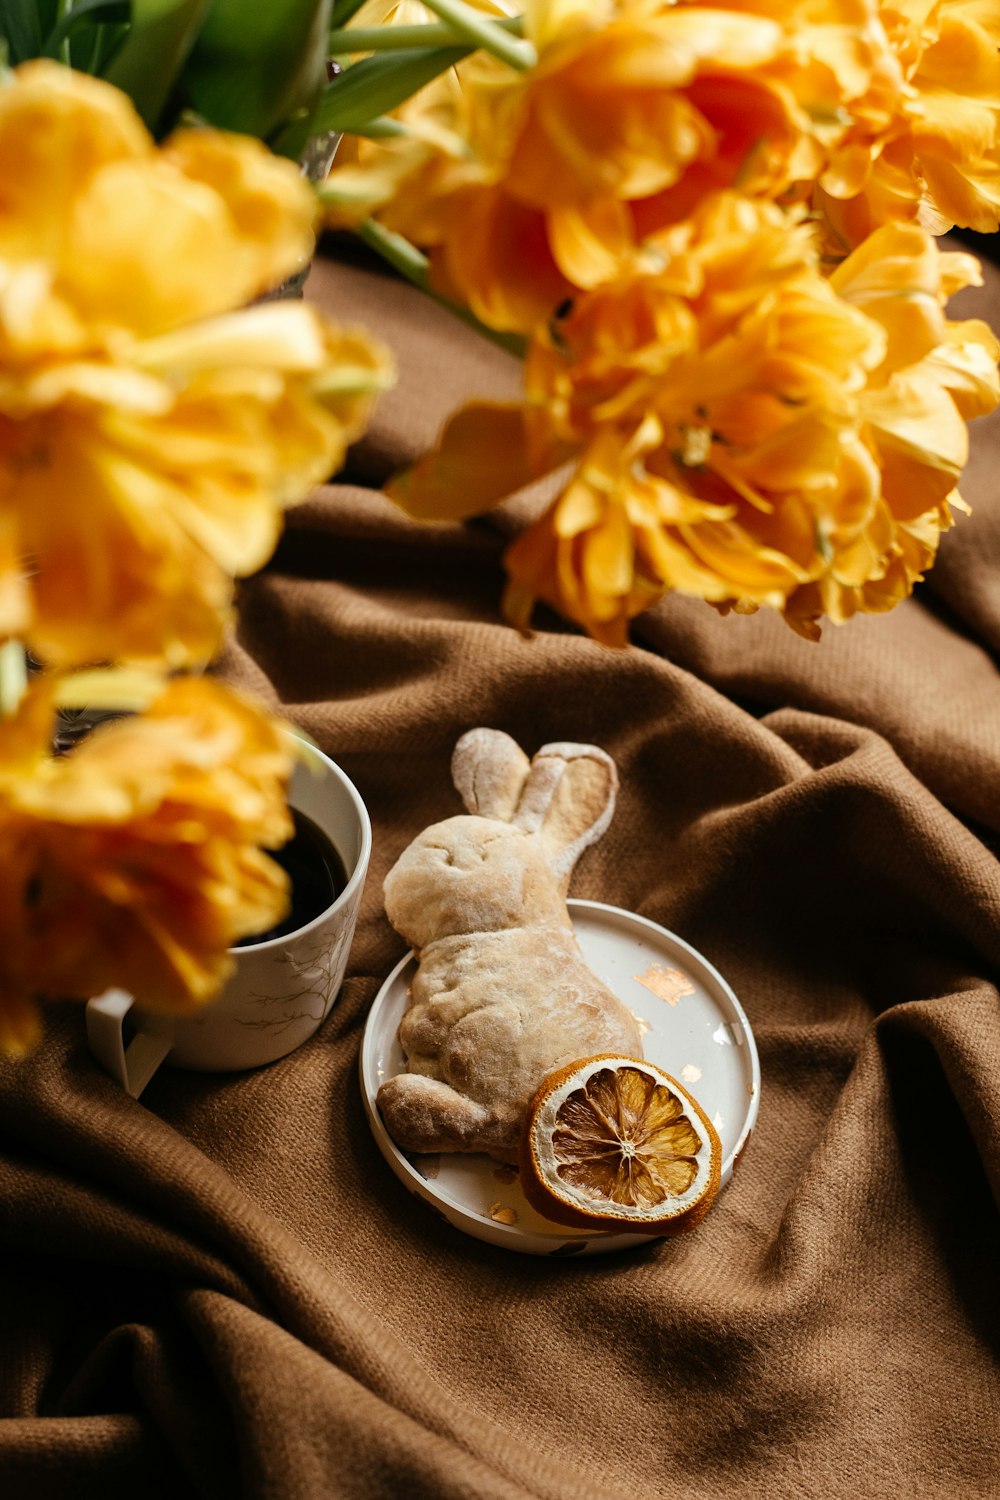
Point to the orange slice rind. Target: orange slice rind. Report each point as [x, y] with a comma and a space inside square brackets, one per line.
[616, 1143]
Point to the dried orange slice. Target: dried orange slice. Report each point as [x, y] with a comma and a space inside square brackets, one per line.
[615, 1143]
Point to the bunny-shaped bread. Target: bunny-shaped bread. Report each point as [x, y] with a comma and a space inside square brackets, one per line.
[502, 995]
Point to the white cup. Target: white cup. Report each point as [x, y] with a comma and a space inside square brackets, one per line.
[281, 989]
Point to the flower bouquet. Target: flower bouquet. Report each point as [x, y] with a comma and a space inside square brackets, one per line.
[712, 227]
[153, 424]
[710, 232]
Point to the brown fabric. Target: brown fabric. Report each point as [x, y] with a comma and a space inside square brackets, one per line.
[222, 1290]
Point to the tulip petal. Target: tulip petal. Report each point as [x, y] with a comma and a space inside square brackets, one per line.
[481, 458]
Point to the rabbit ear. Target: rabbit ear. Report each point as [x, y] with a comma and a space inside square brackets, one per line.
[568, 798]
[489, 771]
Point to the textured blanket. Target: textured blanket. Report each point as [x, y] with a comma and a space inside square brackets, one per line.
[222, 1290]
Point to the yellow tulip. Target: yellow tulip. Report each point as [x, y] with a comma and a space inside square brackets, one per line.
[139, 859]
[927, 149]
[133, 239]
[742, 428]
[524, 186]
[150, 436]
[138, 488]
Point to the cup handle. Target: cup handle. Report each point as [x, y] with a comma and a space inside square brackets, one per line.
[132, 1066]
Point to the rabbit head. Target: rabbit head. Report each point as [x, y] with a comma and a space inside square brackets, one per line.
[509, 863]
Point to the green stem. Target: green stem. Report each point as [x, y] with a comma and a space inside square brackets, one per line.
[483, 32]
[397, 252]
[343, 11]
[352, 39]
[62, 11]
[414, 265]
[13, 677]
[382, 128]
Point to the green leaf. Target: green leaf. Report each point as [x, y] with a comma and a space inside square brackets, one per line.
[381, 128]
[85, 14]
[343, 10]
[23, 24]
[48, 13]
[93, 49]
[378, 84]
[149, 61]
[256, 64]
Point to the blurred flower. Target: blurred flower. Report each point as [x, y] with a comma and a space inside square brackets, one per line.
[743, 429]
[930, 150]
[138, 859]
[118, 238]
[150, 437]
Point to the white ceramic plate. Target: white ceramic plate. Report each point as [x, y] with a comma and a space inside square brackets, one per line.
[695, 1029]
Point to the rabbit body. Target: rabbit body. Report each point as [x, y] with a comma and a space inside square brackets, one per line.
[502, 994]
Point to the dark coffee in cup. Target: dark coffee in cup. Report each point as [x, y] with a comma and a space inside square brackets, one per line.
[316, 873]
[281, 988]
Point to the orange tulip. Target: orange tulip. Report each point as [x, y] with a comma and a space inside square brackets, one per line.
[744, 429]
[523, 187]
[150, 436]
